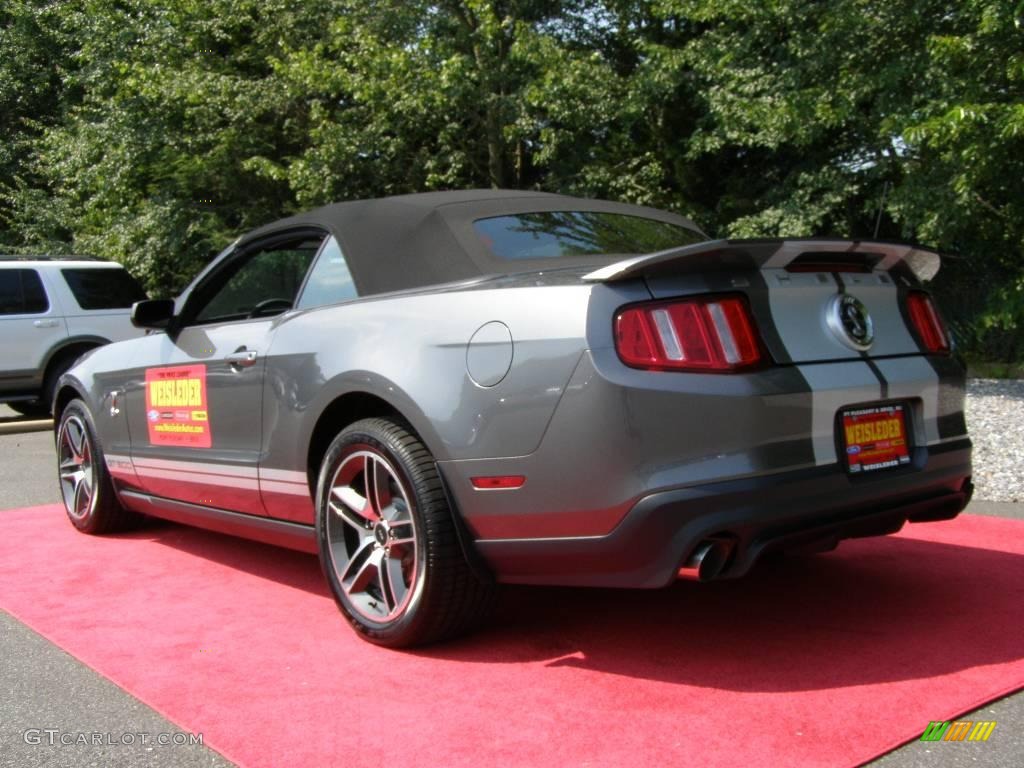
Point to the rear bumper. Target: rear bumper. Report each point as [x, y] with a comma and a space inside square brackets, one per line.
[803, 508]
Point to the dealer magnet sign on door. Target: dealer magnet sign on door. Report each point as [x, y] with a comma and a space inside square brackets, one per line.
[176, 406]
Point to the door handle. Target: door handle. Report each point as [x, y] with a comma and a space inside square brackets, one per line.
[45, 323]
[242, 358]
[114, 396]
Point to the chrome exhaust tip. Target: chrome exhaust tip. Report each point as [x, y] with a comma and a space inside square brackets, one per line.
[707, 561]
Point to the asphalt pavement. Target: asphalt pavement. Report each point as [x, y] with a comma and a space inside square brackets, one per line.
[42, 688]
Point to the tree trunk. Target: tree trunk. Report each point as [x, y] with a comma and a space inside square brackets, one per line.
[495, 144]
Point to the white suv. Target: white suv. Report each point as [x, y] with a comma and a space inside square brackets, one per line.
[53, 310]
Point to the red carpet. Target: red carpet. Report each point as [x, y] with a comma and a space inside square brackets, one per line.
[827, 660]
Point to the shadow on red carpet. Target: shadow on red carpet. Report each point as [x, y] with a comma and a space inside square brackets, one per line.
[822, 660]
[893, 600]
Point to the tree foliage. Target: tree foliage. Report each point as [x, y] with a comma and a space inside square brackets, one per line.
[155, 133]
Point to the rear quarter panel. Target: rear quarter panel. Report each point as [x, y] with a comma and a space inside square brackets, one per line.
[411, 352]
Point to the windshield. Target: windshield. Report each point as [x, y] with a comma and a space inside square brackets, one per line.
[555, 234]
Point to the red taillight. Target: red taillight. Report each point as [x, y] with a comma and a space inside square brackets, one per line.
[713, 334]
[927, 323]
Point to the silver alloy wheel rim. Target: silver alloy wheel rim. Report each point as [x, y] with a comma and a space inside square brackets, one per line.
[77, 473]
[371, 536]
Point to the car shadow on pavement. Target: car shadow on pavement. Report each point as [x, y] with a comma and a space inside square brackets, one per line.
[876, 610]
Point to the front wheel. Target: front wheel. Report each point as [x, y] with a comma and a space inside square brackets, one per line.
[85, 484]
[388, 543]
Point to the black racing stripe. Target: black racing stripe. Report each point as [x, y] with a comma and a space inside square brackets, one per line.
[793, 416]
[758, 295]
[785, 376]
[878, 374]
[882, 381]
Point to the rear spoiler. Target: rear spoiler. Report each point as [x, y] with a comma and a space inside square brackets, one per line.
[773, 254]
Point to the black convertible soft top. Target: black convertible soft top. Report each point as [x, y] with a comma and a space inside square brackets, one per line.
[413, 241]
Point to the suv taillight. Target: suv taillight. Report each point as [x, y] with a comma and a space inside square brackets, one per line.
[927, 323]
[707, 334]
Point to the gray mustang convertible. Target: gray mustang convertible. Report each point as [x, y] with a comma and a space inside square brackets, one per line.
[441, 392]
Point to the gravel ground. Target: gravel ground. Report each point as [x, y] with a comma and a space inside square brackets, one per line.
[995, 421]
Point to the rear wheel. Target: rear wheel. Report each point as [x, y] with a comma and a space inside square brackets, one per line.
[388, 543]
[85, 483]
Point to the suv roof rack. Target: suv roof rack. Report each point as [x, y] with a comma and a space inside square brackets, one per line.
[15, 257]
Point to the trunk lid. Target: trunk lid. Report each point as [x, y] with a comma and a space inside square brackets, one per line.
[796, 290]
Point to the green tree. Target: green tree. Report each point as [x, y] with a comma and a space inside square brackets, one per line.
[35, 63]
[812, 116]
[155, 133]
[157, 164]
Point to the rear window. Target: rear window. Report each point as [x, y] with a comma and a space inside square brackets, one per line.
[103, 288]
[554, 234]
[22, 293]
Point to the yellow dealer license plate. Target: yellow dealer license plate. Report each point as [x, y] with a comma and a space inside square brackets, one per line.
[875, 438]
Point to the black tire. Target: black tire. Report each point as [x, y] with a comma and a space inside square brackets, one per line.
[33, 408]
[395, 592]
[86, 488]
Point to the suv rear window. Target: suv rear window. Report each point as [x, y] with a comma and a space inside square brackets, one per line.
[555, 234]
[22, 292]
[103, 288]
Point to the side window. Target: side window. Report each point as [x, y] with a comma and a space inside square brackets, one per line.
[22, 292]
[330, 281]
[258, 283]
[103, 288]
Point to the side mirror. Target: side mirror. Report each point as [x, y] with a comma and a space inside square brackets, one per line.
[152, 313]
